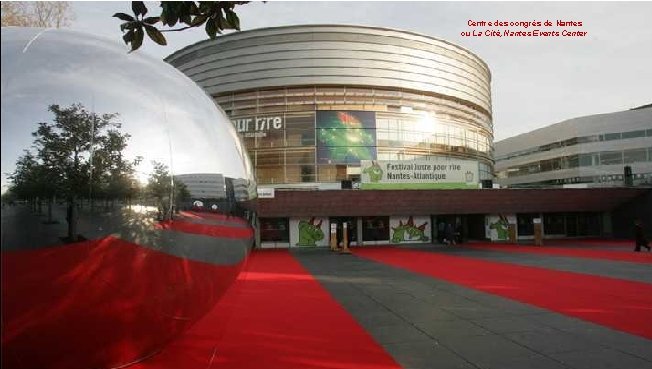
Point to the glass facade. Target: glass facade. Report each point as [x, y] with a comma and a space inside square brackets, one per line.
[320, 133]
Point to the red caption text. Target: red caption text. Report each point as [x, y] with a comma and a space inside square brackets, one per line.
[547, 28]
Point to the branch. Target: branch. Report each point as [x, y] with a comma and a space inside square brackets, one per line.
[177, 29]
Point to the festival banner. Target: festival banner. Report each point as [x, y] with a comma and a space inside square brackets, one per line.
[441, 173]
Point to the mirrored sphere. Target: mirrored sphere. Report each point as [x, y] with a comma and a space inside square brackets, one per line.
[110, 160]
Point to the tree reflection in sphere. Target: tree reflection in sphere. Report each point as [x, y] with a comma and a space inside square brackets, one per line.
[105, 156]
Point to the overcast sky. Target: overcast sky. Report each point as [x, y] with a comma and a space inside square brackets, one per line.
[535, 81]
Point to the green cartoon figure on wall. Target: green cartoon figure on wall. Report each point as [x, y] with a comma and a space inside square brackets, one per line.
[409, 232]
[309, 233]
[375, 172]
[502, 228]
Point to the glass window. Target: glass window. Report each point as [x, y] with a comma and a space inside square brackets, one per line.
[300, 173]
[310, 91]
[271, 174]
[586, 160]
[331, 173]
[358, 91]
[300, 100]
[635, 155]
[573, 161]
[554, 224]
[633, 134]
[264, 93]
[274, 230]
[305, 156]
[375, 228]
[300, 129]
[266, 158]
[588, 139]
[272, 101]
[270, 138]
[330, 91]
[525, 223]
[612, 136]
[611, 157]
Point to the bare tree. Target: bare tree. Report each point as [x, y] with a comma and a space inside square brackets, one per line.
[46, 14]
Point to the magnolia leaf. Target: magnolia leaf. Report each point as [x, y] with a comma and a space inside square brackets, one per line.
[138, 39]
[124, 17]
[151, 20]
[155, 35]
[139, 8]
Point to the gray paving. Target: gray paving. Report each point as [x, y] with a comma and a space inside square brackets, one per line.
[605, 268]
[429, 323]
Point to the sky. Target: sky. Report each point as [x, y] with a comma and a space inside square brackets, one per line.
[536, 81]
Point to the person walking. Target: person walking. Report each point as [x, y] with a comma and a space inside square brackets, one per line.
[450, 234]
[639, 235]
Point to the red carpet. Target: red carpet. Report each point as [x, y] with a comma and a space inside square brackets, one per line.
[212, 230]
[615, 255]
[133, 299]
[278, 317]
[615, 303]
[215, 216]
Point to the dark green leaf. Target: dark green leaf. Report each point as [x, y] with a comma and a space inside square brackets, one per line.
[233, 19]
[198, 21]
[155, 35]
[185, 18]
[138, 39]
[152, 20]
[124, 17]
[211, 28]
[128, 37]
[139, 8]
[128, 25]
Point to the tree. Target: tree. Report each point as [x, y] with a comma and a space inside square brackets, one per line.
[46, 14]
[214, 16]
[80, 151]
[166, 190]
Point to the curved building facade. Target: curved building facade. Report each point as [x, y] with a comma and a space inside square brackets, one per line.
[584, 151]
[312, 102]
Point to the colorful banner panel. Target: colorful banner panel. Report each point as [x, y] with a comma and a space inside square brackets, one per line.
[309, 232]
[410, 229]
[345, 137]
[419, 174]
[497, 226]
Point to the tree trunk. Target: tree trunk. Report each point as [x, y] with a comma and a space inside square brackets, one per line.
[50, 203]
[39, 206]
[72, 219]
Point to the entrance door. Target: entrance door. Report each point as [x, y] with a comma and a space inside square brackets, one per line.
[352, 228]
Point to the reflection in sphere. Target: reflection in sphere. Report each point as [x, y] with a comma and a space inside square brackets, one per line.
[106, 255]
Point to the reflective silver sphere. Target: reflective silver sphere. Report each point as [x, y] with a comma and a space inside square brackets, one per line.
[106, 154]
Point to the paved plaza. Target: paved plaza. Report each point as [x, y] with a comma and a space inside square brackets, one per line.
[423, 322]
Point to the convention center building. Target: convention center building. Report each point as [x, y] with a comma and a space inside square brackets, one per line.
[384, 131]
[581, 152]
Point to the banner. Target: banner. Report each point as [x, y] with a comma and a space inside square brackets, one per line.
[419, 174]
[345, 137]
[410, 229]
[309, 232]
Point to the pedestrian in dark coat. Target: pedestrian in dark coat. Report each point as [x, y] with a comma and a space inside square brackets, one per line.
[639, 235]
[450, 234]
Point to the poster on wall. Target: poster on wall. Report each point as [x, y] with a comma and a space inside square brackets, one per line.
[345, 137]
[497, 226]
[308, 232]
[410, 229]
[419, 174]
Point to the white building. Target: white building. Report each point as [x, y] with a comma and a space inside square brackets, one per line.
[587, 151]
[204, 185]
